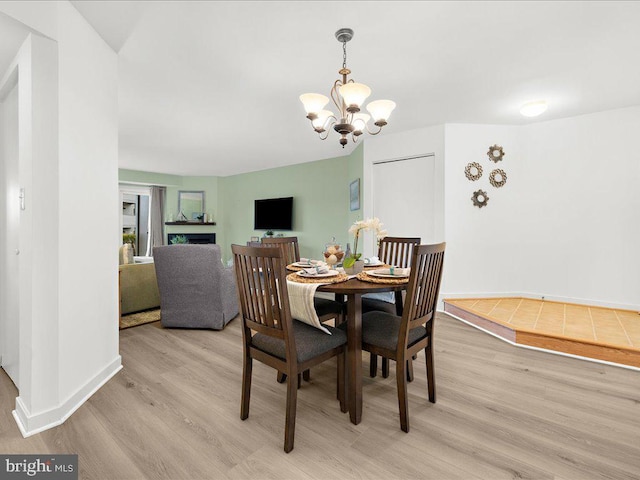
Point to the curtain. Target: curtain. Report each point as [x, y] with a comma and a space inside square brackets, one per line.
[156, 229]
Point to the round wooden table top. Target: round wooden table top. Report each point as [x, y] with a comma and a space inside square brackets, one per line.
[355, 286]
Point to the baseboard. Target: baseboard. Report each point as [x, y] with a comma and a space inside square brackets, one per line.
[544, 296]
[33, 423]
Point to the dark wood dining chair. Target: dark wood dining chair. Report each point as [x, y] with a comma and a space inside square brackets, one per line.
[326, 309]
[399, 338]
[394, 251]
[272, 337]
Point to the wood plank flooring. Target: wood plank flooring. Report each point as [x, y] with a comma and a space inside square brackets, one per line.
[607, 334]
[503, 412]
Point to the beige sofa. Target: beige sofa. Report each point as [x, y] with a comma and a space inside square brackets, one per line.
[138, 287]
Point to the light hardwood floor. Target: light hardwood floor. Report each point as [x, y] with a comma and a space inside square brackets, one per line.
[502, 412]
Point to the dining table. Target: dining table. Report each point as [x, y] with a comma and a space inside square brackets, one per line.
[353, 290]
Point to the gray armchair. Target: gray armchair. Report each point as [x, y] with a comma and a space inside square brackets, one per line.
[196, 290]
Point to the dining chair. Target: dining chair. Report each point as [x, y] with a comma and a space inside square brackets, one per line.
[272, 337]
[394, 251]
[398, 338]
[326, 309]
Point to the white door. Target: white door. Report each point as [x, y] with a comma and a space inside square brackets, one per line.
[404, 197]
[9, 235]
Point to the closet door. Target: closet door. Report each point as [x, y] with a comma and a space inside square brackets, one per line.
[9, 235]
[404, 196]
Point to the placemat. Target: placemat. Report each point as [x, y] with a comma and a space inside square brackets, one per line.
[389, 281]
[341, 277]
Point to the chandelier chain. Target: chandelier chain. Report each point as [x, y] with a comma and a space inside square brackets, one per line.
[344, 54]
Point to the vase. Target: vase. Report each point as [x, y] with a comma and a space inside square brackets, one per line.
[355, 268]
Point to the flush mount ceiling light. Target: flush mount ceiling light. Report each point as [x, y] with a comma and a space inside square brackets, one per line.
[533, 109]
[348, 96]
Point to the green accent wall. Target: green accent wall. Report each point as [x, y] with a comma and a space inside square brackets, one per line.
[320, 206]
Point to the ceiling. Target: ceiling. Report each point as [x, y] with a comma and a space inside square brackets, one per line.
[211, 88]
[12, 35]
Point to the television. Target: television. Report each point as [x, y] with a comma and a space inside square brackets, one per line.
[273, 214]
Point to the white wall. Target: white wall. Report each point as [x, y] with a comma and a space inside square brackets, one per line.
[583, 217]
[68, 167]
[566, 224]
[88, 195]
[483, 244]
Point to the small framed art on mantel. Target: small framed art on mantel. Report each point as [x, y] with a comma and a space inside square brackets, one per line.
[354, 195]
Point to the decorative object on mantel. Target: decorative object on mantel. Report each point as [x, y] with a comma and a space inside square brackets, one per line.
[501, 178]
[352, 263]
[179, 240]
[182, 217]
[348, 96]
[496, 153]
[480, 198]
[473, 171]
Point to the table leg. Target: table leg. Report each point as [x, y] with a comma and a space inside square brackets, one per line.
[354, 357]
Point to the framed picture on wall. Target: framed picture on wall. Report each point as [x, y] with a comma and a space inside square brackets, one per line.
[354, 195]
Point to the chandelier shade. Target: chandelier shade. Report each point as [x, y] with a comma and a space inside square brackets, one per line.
[354, 95]
[348, 97]
[380, 110]
[313, 102]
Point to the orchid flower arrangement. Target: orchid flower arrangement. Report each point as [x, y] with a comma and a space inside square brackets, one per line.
[356, 229]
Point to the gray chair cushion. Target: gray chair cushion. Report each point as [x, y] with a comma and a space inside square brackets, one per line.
[375, 305]
[381, 329]
[324, 306]
[196, 290]
[310, 342]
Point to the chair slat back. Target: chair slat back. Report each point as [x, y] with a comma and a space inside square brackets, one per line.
[397, 251]
[423, 288]
[262, 290]
[288, 246]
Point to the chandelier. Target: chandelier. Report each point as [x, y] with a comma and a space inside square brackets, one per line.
[348, 96]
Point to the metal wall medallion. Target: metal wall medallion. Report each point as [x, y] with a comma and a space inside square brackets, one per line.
[473, 171]
[495, 153]
[498, 177]
[480, 198]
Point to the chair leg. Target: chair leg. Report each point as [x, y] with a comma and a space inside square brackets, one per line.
[403, 401]
[281, 377]
[306, 375]
[246, 387]
[290, 421]
[431, 378]
[342, 383]
[385, 367]
[373, 365]
[409, 370]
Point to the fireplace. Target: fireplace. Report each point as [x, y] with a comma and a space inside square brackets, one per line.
[194, 237]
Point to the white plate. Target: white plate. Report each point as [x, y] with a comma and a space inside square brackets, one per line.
[386, 275]
[330, 273]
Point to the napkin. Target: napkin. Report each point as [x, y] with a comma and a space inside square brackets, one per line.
[316, 270]
[309, 261]
[371, 260]
[400, 272]
[301, 303]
